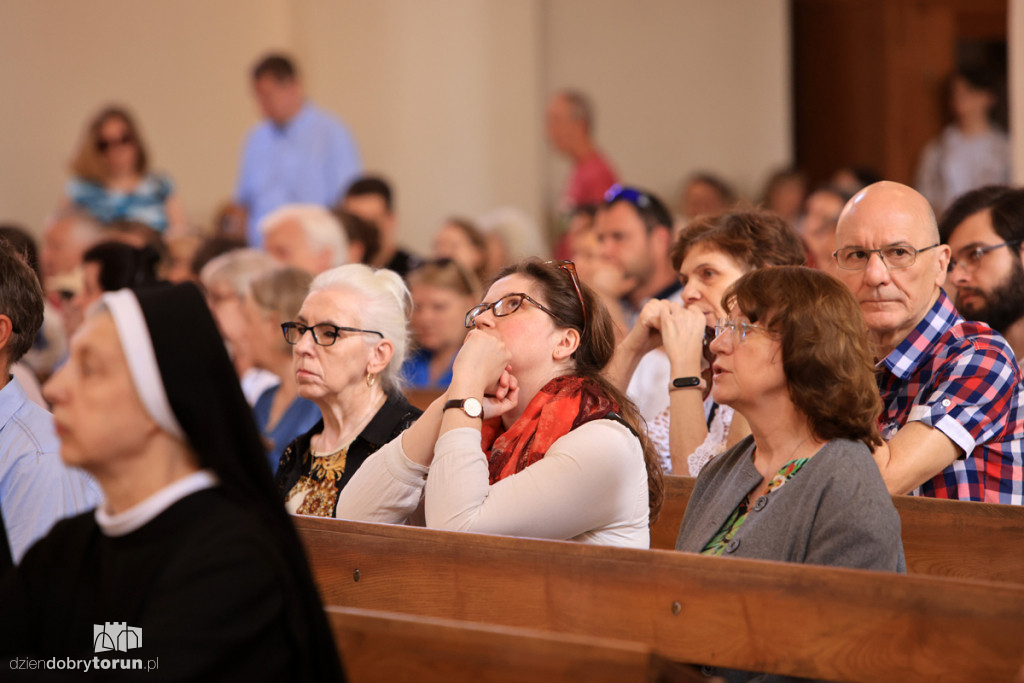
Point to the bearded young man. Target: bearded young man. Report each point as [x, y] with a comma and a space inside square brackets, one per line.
[984, 229]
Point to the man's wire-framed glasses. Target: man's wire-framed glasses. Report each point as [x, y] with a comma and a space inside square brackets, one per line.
[970, 257]
[894, 256]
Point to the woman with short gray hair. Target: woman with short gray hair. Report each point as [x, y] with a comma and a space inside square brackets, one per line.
[357, 320]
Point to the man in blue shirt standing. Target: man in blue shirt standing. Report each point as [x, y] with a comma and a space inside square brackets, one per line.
[36, 488]
[299, 155]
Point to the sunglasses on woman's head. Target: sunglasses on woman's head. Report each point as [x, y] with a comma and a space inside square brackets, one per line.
[570, 267]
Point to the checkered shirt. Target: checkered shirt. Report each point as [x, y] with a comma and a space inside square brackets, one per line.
[961, 378]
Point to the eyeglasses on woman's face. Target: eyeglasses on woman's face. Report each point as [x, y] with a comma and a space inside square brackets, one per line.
[506, 305]
[739, 329]
[324, 334]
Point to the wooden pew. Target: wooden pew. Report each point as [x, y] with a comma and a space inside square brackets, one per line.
[386, 647]
[951, 538]
[819, 622]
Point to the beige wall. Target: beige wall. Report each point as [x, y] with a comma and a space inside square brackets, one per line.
[178, 65]
[444, 96]
[678, 86]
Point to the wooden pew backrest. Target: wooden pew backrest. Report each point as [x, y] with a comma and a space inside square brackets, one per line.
[386, 647]
[951, 538]
[820, 622]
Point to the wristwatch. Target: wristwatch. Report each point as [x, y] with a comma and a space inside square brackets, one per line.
[470, 406]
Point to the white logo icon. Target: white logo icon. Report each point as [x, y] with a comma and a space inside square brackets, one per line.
[115, 635]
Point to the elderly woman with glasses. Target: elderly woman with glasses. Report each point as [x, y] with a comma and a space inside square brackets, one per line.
[529, 439]
[348, 343]
[793, 357]
[112, 180]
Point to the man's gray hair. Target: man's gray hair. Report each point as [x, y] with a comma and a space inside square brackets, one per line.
[321, 227]
[237, 269]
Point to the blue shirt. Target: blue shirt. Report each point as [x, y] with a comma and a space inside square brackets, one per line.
[298, 419]
[311, 159]
[36, 488]
[416, 371]
[145, 204]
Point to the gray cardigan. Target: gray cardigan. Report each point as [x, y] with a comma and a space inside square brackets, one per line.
[834, 511]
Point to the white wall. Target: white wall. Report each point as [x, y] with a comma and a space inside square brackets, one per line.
[444, 96]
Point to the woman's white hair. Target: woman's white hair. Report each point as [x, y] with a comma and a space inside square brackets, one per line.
[386, 307]
[237, 269]
[320, 226]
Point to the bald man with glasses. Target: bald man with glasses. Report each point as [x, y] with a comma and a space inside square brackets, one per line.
[953, 408]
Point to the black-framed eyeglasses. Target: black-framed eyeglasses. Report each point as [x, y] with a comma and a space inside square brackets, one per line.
[630, 194]
[324, 334]
[894, 256]
[570, 267]
[506, 305]
[970, 257]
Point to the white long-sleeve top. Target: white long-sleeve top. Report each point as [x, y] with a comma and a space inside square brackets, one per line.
[590, 487]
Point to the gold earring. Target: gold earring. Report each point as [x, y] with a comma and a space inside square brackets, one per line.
[370, 379]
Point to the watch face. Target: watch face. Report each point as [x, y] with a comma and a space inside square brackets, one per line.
[472, 407]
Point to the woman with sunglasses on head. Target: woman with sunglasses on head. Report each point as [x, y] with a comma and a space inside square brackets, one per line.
[442, 292]
[793, 357]
[112, 180]
[710, 254]
[348, 343]
[530, 439]
[190, 547]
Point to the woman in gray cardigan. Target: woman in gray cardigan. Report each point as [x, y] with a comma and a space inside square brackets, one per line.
[793, 358]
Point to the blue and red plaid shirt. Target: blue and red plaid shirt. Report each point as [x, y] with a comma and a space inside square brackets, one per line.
[961, 378]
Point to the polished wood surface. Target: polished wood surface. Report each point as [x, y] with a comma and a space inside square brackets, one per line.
[819, 622]
[387, 647]
[950, 538]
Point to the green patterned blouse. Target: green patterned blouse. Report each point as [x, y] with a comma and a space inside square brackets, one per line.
[717, 544]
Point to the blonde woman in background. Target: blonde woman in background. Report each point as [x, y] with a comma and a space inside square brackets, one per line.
[281, 414]
[442, 292]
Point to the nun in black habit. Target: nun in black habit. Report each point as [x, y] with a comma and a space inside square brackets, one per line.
[191, 546]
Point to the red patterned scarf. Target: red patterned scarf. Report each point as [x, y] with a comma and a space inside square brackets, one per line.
[563, 404]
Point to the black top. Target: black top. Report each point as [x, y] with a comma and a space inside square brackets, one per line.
[393, 418]
[206, 583]
[402, 262]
